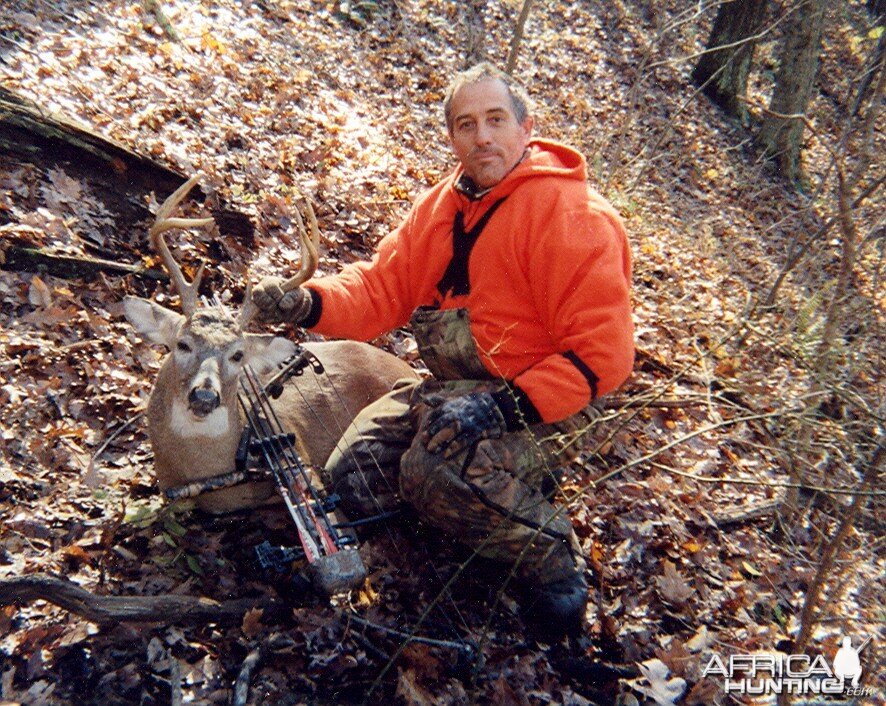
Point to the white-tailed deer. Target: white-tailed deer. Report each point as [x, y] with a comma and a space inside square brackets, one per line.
[194, 422]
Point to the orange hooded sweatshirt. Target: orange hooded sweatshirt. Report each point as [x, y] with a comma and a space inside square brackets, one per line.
[548, 282]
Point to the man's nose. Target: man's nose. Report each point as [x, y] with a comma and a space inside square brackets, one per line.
[483, 135]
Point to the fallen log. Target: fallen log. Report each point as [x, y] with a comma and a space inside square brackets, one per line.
[122, 177]
[29, 131]
[16, 258]
[167, 608]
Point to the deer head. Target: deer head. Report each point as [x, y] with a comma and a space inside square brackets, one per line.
[193, 418]
[196, 392]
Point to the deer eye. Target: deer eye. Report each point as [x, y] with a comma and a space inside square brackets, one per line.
[184, 347]
[237, 356]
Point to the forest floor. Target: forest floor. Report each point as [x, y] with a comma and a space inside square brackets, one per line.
[272, 99]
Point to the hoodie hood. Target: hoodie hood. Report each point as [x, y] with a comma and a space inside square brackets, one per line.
[543, 158]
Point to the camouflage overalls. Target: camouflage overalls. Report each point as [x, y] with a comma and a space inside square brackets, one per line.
[489, 496]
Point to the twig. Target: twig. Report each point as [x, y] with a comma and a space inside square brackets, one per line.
[640, 400]
[686, 437]
[175, 682]
[758, 512]
[19, 45]
[461, 646]
[721, 47]
[244, 678]
[795, 258]
[808, 617]
[709, 379]
[153, 6]
[119, 430]
[17, 259]
[369, 645]
[768, 484]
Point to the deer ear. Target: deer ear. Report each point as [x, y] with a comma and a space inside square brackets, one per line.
[264, 351]
[154, 322]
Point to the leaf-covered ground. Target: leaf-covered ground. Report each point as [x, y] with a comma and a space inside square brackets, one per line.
[342, 102]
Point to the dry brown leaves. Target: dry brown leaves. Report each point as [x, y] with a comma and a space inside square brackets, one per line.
[280, 100]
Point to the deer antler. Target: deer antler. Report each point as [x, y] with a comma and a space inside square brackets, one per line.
[162, 223]
[308, 265]
[309, 245]
[249, 310]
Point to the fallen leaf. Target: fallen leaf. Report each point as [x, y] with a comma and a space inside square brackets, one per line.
[410, 692]
[655, 683]
[672, 587]
[699, 641]
[503, 694]
[750, 570]
[705, 692]
[76, 556]
[66, 188]
[39, 294]
[252, 625]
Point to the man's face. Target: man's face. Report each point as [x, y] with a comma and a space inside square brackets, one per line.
[484, 132]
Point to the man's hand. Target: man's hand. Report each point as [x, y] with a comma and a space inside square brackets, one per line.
[275, 305]
[459, 422]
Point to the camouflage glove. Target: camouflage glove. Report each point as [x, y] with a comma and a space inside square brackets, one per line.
[275, 305]
[458, 423]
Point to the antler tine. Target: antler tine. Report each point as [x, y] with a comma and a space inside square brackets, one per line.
[249, 309]
[162, 223]
[309, 248]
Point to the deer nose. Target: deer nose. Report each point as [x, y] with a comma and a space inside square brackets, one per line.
[203, 400]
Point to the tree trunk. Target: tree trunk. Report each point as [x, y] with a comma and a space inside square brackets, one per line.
[781, 134]
[475, 31]
[517, 36]
[722, 73]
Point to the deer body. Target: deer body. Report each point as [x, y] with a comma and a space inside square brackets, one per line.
[194, 419]
[316, 408]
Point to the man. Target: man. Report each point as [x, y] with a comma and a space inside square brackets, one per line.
[515, 277]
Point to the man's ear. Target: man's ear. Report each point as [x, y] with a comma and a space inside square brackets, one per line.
[528, 124]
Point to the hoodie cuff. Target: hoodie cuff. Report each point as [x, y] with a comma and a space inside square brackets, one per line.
[316, 310]
[516, 408]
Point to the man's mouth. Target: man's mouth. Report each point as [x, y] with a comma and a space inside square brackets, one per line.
[485, 156]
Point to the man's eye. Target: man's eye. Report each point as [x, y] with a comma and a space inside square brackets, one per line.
[237, 357]
[184, 347]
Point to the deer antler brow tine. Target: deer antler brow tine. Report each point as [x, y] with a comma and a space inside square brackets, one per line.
[249, 308]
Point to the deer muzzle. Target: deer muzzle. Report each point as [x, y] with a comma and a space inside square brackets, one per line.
[203, 400]
[205, 395]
